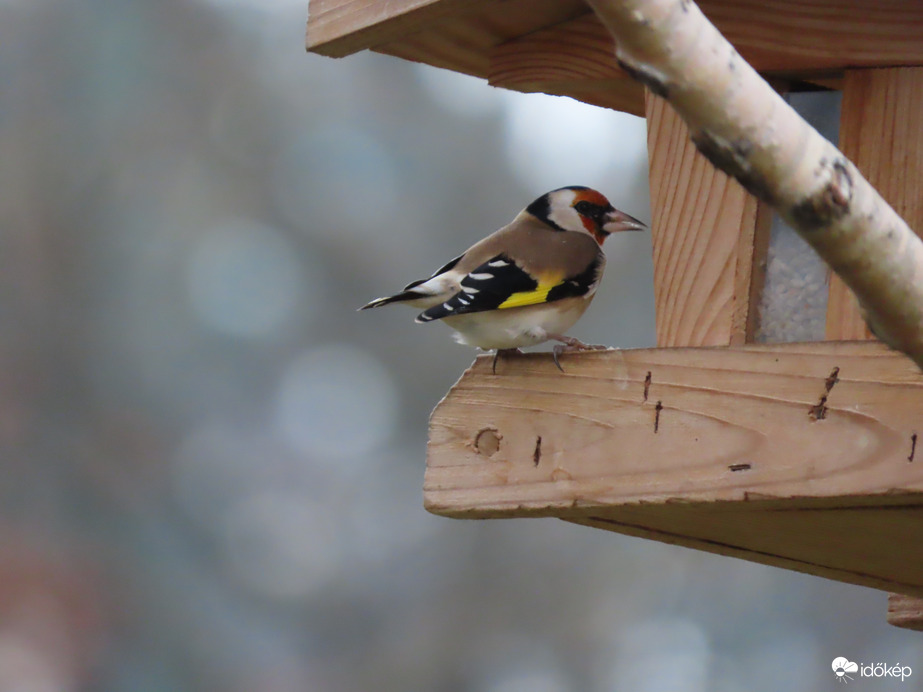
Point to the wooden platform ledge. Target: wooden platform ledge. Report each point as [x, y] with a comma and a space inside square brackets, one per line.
[803, 456]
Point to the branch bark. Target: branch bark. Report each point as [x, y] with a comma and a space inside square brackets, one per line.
[747, 130]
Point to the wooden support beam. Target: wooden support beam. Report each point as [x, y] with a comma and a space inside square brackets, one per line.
[797, 455]
[556, 47]
[811, 41]
[881, 131]
[805, 35]
[706, 230]
[341, 27]
[905, 611]
[750, 274]
[463, 41]
[575, 58]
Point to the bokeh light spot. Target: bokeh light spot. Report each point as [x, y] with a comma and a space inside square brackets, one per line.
[281, 544]
[244, 280]
[336, 402]
[353, 180]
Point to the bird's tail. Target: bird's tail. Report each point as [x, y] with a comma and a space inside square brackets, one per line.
[398, 298]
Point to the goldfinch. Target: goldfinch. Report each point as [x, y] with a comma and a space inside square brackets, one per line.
[528, 282]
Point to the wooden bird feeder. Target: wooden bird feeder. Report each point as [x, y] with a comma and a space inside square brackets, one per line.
[807, 456]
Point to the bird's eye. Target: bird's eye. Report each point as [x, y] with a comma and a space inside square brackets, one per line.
[584, 207]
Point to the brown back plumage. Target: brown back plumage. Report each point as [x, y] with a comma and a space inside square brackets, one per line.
[536, 248]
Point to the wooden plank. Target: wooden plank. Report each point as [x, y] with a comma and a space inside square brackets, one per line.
[827, 419]
[572, 59]
[703, 232]
[812, 40]
[430, 31]
[798, 455]
[853, 545]
[750, 274]
[844, 321]
[581, 50]
[341, 27]
[556, 47]
[905, 611]
[780, 35]
[881, 131]
[462, 42]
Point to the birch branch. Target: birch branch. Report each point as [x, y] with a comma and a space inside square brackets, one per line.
[747, 130]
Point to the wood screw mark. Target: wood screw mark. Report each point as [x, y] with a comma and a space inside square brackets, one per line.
[740, 467]
[819, 410]
[647, 384]
[537, 454]
[913, 446]
[832, 379]
[657, 409]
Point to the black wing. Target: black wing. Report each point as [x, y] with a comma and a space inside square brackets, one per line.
[485, 288]
[501, 283]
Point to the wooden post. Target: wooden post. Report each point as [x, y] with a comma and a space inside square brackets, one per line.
[881, 131]
[709, 238]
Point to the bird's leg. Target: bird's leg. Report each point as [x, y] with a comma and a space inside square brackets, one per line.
[569, 343]
[504, 351]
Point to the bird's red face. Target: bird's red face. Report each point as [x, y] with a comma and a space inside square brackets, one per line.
[600, 218]
[592, 207]
[582, 210]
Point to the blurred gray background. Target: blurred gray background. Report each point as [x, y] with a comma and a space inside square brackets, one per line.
[212, 465]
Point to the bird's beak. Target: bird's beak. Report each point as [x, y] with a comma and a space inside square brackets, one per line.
[616, 221]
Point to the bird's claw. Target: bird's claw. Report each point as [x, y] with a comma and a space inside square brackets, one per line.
[557, 351]
[569, 343]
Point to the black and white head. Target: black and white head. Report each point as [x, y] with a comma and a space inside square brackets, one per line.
[582, 210]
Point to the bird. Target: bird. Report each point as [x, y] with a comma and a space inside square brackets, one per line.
[527, 283]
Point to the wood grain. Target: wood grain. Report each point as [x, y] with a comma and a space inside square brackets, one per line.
[462, 42]
[881, 131]
[905, 611]
[341, 27]
[799, 445]
[781, 35]
[750, 274]
[852, 545]
[456, 34]
[575, 58]
[555, 46]
[811, 41]
[571, 52]
[753, 405]
[703, 231]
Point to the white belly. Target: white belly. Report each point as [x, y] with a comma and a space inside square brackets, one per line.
[518, 327]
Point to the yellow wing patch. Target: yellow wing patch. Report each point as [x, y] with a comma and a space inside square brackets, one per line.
[533, 297]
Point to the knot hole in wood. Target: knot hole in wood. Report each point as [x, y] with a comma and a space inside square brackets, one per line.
[487, 441]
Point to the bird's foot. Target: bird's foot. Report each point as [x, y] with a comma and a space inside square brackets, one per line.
[505, 352]
[569, 343]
